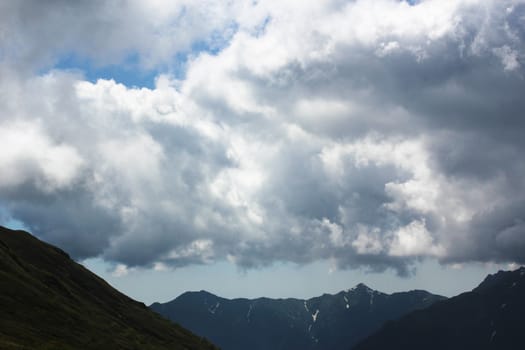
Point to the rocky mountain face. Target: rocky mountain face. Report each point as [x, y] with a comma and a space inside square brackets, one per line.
[326, 322]
[492, 316]
[48, 301]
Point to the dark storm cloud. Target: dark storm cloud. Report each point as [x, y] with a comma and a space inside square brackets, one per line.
[53, 219]
[495, 235]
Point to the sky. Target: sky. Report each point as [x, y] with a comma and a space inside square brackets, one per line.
[278, 148]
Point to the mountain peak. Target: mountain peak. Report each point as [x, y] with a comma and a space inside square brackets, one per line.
[360, 287]
[321, 322]
[489, 317]
[500, 278]
[204, 292]
[200, 293]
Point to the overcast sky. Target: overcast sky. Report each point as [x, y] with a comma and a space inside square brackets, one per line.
[365, 136]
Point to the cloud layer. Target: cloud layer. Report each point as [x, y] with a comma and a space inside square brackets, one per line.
[373, 133]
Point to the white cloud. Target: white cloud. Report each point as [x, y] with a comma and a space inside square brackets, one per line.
[414, 240]
[120, 270]
[508, 56]
[367, 132]
[368, 241]
[109, 33]
[30, 156]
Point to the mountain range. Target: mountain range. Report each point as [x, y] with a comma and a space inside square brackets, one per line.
[326, 322]
[491, 316]
[48, 301]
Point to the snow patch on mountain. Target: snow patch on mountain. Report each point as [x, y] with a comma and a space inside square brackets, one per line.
[249, 313]
[314, 316]
[213, 309]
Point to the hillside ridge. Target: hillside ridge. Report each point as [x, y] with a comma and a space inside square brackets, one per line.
[48, 301]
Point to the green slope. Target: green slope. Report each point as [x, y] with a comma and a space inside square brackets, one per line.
[47, 301]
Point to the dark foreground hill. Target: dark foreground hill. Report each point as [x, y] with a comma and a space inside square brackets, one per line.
[492, 316]
[47, 301]
[326, 322]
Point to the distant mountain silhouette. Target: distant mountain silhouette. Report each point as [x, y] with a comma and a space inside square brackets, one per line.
[47, 301]
[326, 322]
[492, 316]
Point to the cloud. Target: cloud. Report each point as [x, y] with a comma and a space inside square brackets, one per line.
[32, 158]
[36, 33]
[372, 133]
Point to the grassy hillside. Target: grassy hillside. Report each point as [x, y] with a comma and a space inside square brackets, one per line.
[47, 301]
